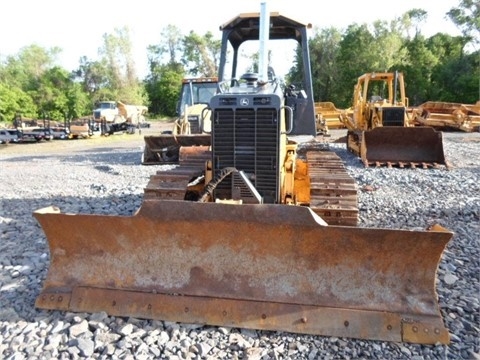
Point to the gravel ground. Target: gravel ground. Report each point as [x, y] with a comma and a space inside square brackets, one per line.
[104, 176]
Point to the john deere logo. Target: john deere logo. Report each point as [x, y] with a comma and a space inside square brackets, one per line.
[244, 102]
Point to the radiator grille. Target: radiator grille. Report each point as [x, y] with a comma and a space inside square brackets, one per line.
[194, 124]
[393, 116]
[247, 139]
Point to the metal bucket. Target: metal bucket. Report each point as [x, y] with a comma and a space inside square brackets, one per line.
[164, 148]
[403, 146]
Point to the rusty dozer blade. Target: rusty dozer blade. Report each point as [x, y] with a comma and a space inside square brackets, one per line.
[403, 146]
[271, 267]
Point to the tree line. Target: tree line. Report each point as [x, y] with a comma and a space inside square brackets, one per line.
[437, 68]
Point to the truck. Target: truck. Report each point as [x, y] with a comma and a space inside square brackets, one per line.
[115, 116]
[190, 128]
[263, 235]
[9, 136]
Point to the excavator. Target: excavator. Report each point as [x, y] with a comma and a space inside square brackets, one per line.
[264, 235]
[380, 131]
[188, 128]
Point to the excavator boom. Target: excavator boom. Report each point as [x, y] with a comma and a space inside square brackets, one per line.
[204, 263]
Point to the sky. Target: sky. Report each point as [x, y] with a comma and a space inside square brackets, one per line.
[78, 29]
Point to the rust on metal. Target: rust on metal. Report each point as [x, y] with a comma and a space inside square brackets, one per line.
[164, 148]
[333, 192]
[253, 266]
[171, 185]
[194, 155]
[158, 142]
[194, 140]
[403, 146]
[299, 318]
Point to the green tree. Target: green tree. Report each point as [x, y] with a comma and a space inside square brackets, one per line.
[13, 100]
[57, 94]
[418, 69]
[388, 52]
[78, 102]
[163, 87]
[175, 57]
[324, 47]
[455, 78]
[467, 18]
[32, 74]
[25, 69]
[92, 75]
[355, 57]
[168, 51]
[201, 54]
[117, 60]
[166, 72]
[412, 19]
[458, 79]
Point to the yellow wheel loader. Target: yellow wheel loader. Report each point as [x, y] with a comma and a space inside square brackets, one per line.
[261, 236]
[380, 131]
[190, 127]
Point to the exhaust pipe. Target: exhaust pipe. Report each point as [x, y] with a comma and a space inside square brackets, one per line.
[264, 37]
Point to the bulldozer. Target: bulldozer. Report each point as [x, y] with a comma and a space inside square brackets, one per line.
[380, 130]
[263, 236]
[190, 127]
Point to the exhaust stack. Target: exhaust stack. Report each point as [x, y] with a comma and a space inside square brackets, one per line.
[263, 37]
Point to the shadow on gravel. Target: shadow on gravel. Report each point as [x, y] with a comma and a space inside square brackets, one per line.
[120, 156]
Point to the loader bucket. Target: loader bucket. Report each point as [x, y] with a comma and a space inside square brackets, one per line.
[160, 149]
[194, 140]
[164, 148]
[270, 267]
[403, 147]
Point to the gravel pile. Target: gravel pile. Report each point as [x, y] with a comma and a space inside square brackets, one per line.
[111, 180]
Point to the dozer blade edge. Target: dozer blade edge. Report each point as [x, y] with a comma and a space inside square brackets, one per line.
[403, 146]
[266, 267]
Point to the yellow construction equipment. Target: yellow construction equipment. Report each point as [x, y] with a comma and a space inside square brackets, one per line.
[328, 117]
[448, 116]
[191, 128]
[380, 131]
[261, 236]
